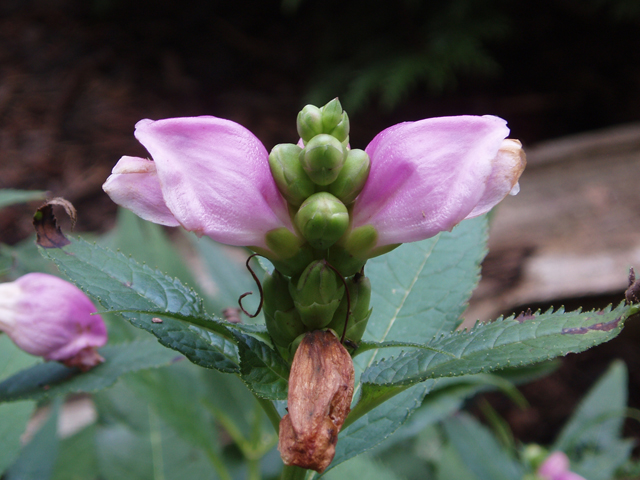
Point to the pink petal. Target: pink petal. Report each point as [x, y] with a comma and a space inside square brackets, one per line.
[429, 175]
[215, 178]
[133, 184]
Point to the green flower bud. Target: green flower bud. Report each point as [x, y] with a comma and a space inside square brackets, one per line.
[322, 219]
[294, 184]
[322, 158]
[352, 177]
[359, 295]
[317, 294]
[309, 122]
[341, 131]
[282, 319]
[331, 115]
[343, 261]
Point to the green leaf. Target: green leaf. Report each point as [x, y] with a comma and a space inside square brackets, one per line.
[591, 437]
[418, 290]
[38, 457]
[166, 390]
[47, 380]
[10, 196]
[12, 359]
[121, 284]
[598, 420]
[78, 459]
[378, 424]
[263, 369]
[362, 467]
[156, 453]
[226, 275]
[479, 450]
[421, 289]
[13, 423]
[503, 343]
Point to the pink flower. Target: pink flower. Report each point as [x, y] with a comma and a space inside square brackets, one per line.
[429, 175]
[49, 317]
[556, 467]
[208, 174]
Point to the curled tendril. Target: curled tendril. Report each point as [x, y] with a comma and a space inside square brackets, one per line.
[346, 290]
[255, 278]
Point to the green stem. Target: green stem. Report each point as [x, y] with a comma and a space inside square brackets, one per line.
[290, 472]
[270, 410]
[254, 470]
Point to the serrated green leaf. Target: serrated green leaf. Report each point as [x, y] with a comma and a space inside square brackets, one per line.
[9, 196]
[479, 450]
[263, 369]
[121, 284]
[13, 423]
[376, 425]
[500, 344]
[420, 289]
[51, 379]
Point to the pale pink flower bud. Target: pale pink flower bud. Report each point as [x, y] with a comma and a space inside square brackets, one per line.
[51, 318]
[208, 174]
[556, 467]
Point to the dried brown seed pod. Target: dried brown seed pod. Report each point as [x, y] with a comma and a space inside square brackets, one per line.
[320, 390]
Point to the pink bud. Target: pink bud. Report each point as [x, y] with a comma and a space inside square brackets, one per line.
[556, 467]
[49, 317]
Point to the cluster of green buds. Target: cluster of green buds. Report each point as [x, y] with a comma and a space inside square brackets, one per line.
[321, 285]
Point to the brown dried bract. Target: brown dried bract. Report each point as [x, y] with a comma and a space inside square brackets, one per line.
[320, 391]
[48, 232]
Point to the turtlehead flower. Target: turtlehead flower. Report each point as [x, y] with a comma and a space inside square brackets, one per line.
[208, 174]
[428, 176]
[556, 467]
[51, 318]
[213, 177]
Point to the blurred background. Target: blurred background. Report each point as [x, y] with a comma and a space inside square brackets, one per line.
[76, 75]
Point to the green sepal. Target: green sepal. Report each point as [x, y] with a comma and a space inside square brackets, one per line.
[322, 158]
[352, 177]
[343, 261]
[359, 297]
[317, 294]
[291, 179]
[309, 122]
[289, 253]
[282, 320]
[322, 219]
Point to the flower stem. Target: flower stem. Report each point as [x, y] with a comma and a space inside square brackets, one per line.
[271, 412]
[290, 472]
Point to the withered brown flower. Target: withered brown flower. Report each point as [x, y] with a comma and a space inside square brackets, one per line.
[320, 390]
